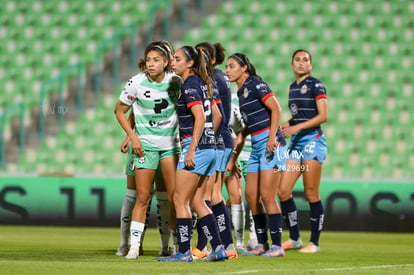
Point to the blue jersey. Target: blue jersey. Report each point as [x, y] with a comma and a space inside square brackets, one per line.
[252, 95]
[219, 136]
[302, 100]
[193, 92]
[223, 86]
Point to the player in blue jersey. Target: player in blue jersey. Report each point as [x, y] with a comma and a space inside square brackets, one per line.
[152, 95]
[261, 113]
[198, 119]
[212, 191]
[307, 150]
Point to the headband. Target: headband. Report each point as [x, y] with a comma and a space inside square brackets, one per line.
[163, 51]
[186, 53]
[205, 56]
[239, 58]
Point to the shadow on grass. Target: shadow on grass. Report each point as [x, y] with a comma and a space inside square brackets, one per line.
[70, 255]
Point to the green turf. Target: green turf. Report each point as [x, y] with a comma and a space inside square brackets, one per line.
[74, 250]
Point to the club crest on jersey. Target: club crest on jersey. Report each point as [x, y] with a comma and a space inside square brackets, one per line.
[304, 89]
[245, 93]
[131, 98]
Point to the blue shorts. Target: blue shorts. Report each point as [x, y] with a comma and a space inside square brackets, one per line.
[308, 147]
[223, 157]
[260, 160]
[205, 161]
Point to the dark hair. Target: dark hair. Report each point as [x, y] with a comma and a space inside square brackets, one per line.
[215, 50]
[243, 60]
[162, 46]
[301, 50]
[201, 62]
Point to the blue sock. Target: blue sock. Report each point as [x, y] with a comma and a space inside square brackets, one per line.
[275, 227]
[316, 218]
[221, 212]
[261, 228]
[202, 240]
[209, 204]
[290, 216]
[184, 232]
[210, 229]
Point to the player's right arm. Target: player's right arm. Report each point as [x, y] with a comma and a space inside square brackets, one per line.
[120, 110]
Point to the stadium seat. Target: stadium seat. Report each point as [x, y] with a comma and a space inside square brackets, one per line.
[362, 52]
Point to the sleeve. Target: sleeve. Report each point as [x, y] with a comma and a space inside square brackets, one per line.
[128, 94]
[319, 91]
[263, 91]
[191, 96]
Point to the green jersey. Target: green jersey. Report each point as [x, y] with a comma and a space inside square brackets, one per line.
[154, 107]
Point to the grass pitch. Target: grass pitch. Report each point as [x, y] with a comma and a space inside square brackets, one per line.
[85, 250]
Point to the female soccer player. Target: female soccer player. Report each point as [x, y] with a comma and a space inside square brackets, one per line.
[261, 113]
[198, 118]
[307, 150]
[163, 209]
[153, 95]
[224, 147]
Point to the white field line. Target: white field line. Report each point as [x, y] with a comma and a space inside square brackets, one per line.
[324, 269]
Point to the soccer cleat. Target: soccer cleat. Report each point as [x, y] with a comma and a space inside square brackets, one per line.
[232, 254]
[122, 250]
[274, 251]
[177, 257]
[258, 250]
[133, 253]
[241, 250]
[198, 254]
[218, 255]
[291, 244]
[310, 248]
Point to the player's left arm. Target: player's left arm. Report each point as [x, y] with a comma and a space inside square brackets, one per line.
[273, 106]
[217, 116]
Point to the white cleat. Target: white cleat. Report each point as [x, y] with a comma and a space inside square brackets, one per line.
[133, 253]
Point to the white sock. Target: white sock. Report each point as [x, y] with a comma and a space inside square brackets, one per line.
[136, 231]
[252, 230]
[239, 221]
[163, 208]
[126, 212]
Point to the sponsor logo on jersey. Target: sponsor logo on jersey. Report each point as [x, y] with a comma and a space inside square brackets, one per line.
[159, 123]
[304, 89]
[190, 91]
